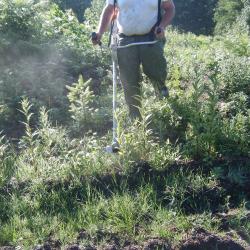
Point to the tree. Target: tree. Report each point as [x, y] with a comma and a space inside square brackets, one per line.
[19, 19]
[195, 16]
[78, 6]
[225, 15]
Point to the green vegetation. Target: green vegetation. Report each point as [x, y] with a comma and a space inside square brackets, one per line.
[78, 6]
[195, 16]
[183, 169]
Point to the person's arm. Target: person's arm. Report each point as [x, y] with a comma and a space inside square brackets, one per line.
[168, 16]
[105, 20]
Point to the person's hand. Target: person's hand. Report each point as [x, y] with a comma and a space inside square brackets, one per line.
[97, 39]
[161, 34]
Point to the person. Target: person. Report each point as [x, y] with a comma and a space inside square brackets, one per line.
[135, 21]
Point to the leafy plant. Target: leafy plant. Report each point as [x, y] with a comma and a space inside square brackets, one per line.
[165, 155]
[52, 140]
[138, 141]
[28, 141]
[236, 176]
[3, 147]
[211, 119]
[80, 97]
[235, 135]
[217, 172]
[195, 124]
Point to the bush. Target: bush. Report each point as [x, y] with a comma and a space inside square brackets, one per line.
[42, 49]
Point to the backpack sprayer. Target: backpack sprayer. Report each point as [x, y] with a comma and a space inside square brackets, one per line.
[113, 47]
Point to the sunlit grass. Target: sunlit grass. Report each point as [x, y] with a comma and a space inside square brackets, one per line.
[59, 181]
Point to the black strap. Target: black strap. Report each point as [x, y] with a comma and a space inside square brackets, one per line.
[159, 13]
[159, 17]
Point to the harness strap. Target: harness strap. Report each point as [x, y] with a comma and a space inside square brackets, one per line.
[159, 17]
[159, 13]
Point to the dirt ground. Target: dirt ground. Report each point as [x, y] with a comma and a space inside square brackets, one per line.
[199, 240]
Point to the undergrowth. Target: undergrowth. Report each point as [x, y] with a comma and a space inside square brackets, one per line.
[57, 187]
[184, 165]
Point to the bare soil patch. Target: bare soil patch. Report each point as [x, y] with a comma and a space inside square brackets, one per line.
[199, 239]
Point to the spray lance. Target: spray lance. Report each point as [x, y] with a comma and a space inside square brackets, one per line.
[113, 39]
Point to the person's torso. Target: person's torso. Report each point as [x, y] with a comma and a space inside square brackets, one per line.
[136, 17]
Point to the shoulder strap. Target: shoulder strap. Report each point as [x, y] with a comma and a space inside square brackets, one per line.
[115, 1]
[159, 13]
[159, 17]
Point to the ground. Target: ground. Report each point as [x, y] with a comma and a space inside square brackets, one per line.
[196, 239]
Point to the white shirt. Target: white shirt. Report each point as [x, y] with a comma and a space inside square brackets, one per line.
[136, 17]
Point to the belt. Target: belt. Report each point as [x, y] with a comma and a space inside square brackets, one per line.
[151, 34]
[137, 37]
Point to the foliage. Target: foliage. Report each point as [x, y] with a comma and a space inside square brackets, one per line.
[28, 141]
[226, 13]
[19, 19]
[195, 16]
[44, 50]
[78, 6]
[3, 149]
[175, 168]
[210, 17]
[244, 17]
[195, 124]
[80, 96]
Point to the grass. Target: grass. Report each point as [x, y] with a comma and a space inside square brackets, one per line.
[109, 203]
[175, 172]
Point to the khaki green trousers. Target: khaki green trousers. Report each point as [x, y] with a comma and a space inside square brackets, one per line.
[129, 60]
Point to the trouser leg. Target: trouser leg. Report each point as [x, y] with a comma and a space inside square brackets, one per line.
[129, 67]
[154, 65]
